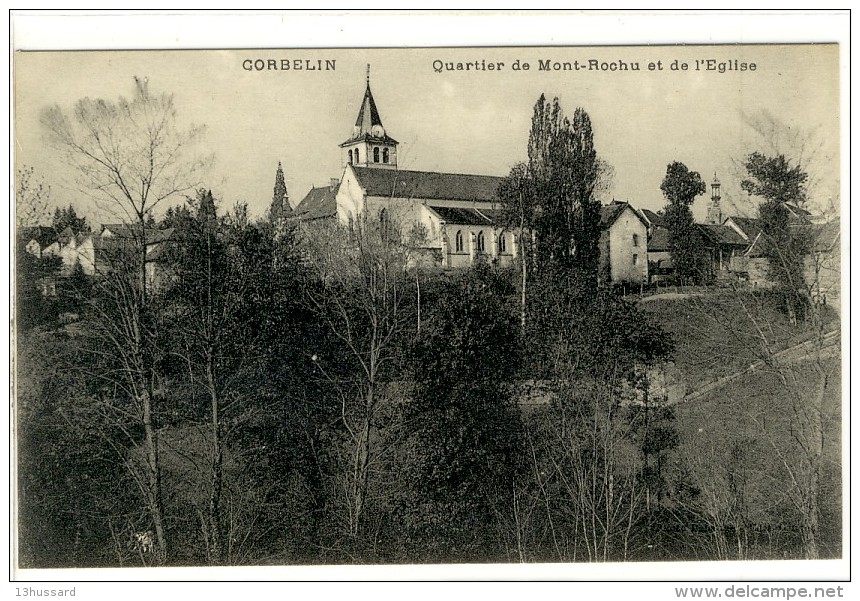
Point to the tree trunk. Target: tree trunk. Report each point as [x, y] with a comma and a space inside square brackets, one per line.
[156, 509]
[215, 550]
[525, 280]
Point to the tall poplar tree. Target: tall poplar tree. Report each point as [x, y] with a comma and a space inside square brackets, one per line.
[564, 167]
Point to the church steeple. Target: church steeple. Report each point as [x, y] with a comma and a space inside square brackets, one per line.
[370, 145]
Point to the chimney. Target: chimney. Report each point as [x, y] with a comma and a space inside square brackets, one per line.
[333, 183]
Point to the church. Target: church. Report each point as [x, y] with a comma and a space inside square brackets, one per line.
[450, 219]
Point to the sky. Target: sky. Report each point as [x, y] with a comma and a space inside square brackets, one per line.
[463, 121]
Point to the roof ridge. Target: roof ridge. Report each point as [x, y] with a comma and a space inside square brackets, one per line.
[397, 170]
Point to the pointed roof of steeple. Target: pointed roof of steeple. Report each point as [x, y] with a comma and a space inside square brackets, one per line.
[368, 117]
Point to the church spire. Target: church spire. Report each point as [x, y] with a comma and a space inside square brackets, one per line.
[369, 121]
[370, 145]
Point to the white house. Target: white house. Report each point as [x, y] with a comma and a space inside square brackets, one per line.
[623, 244]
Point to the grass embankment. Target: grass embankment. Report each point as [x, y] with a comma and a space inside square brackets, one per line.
[742, 443]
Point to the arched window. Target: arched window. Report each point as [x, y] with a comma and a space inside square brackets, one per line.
[376, 154]
[350, 157]
[502, 244]
[635, 239]
[384, 155]
[357, 160]
[480, 243]
[458, 242]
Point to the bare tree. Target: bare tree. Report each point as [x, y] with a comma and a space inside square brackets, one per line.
[32, 198]
[130, 155]
[360, 294]
[788, 395]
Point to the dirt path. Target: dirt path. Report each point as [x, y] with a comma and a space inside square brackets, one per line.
[798, 352]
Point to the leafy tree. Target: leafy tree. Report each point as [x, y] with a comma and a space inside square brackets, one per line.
[465, 441]
[779, 183]
[68, 218]
[519, 203]
[565, 171]
[75, 497]
[280, 206]
[680, 187]
[176, 217]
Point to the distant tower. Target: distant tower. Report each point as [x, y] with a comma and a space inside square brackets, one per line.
[715, 214]
[370, 145]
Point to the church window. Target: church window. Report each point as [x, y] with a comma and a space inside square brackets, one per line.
[480, 244]
[635, 239]
[385, 155]
[458, 244]
[376, 154]
[357, 160]
[350, 157]
[502, 243]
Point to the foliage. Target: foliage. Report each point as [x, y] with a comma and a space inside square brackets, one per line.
[465, 435]
[77, 504]
[680, 188]
[564, 170]
[785, 246]
[775, 179]
[68, 218]
[34, 277]
[280, 206]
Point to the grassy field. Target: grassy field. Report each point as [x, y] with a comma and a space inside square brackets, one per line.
[740, 443]
[723, 332]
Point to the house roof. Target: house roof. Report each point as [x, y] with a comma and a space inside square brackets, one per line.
[318, 203]
[654, 218]
[721, 235]
[797, 210]
[431, 185]
[748, 225]
[125, 231]
[42, 234]
[659, 241]
[461, 216]
[609, 213]
[65, 236]
[826, 235]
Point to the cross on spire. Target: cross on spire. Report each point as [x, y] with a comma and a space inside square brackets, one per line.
[368, 73]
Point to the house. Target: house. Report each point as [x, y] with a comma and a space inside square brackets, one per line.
[623, 244]
[38, 240]
[660, 266]
[102, 252]
[450, 219]
[116, 240]
[725, 247]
